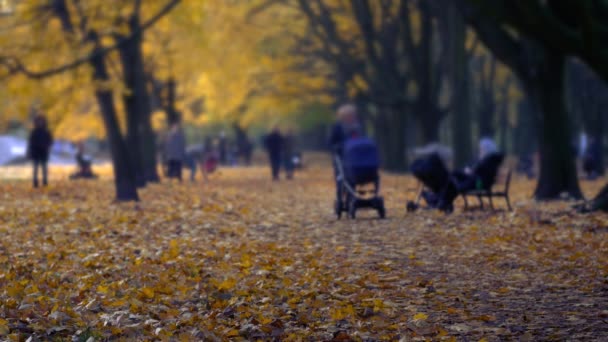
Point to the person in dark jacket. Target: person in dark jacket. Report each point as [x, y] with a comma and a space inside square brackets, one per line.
[346, 127]
[274, 146]
[175, 151]
[39, 147]
[289, 153]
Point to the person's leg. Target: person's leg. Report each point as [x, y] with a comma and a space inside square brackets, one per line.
[171, 169]
[275, 165]
[45, 172]
[178, 171]
[193, 171]
[35, 164]
[288, 168]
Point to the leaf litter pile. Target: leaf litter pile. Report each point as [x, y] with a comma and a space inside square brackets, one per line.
[244, 258]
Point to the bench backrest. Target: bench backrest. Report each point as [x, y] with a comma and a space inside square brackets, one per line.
[487, 169]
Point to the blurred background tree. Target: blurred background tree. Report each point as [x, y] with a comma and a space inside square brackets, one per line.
[419, 71]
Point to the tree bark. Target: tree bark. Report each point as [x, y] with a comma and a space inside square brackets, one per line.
[390, 135]
[137, 103]
[557, 157]
[461, 123]
[124, 176]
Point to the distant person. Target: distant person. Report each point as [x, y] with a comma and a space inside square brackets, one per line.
[222, 147]
[592, 159]
[39, 147]
[210, 158]
[246, 150]
[194, 156]
[175, 151]
[487, 146]
[525, 165]
[346, 126]
[84, 163]
[274, 146]
[289, 153]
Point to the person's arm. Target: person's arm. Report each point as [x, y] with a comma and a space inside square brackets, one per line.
[50, 139]
[335, 137]
[30, 144]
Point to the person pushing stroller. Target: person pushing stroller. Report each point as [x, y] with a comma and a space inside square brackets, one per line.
[356, 163]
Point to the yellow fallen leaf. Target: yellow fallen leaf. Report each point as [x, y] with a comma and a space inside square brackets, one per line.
[420, 316]
[147, 292]
[4, 328]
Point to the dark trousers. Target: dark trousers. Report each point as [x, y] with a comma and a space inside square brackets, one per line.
[289, 167]
[175, 169]
[275, 166]
[43, 166]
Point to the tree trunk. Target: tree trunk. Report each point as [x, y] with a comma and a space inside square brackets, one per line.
[137, 103]
[391, 138]
[124, 177]
[461, 121]
[486, 115]
[428, 116]
[557, 157]
[170, 107]
[524, 134]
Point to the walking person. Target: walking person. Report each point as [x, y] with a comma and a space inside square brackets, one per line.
[210, 158]
[175, 151]
[274, 146]
[289, 153]
[39, 148]
[347, 126]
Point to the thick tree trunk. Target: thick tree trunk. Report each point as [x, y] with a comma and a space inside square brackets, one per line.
[429, 122]
[524, 134]
[557, 157]
[486, 115]
[390, 135]
[124, 177]
[461, 121]
[170, 107]
[134, 115]
[137, 104]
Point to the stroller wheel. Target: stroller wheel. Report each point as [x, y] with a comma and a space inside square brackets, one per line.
[381, 210]
[338, 209]
[411, 207]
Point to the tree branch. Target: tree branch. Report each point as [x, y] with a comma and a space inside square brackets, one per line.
[14, 65]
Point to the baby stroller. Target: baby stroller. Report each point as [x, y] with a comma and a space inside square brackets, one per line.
[434, 178]
[358, 167]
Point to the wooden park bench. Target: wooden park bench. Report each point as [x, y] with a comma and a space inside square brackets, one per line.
[489, 193]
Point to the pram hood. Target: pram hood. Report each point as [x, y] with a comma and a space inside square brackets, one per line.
[431, 171]
[360, 153]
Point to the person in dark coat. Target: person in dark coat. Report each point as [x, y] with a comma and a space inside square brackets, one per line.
[274, 146]
[346, 127]
[289, 153]
[175, 151]
[39, 148]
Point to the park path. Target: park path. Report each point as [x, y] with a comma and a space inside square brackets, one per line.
[242, 257]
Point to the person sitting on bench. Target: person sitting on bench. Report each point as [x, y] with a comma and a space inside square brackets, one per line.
[84, 163]
[480, 177]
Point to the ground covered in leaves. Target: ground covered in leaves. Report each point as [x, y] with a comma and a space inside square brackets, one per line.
[244, 258]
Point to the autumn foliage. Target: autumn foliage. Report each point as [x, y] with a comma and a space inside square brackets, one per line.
[244, 258]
